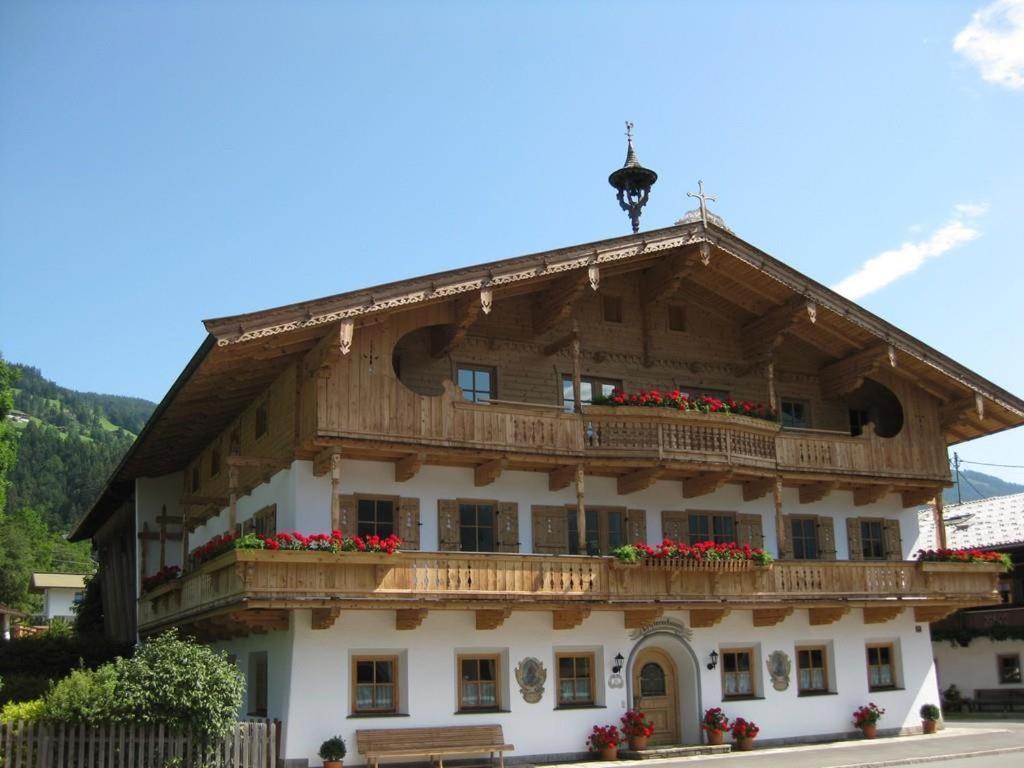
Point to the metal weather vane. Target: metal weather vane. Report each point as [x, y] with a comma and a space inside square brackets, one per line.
[633, 182]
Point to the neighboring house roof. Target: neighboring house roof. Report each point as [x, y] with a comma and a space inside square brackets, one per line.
[243, 354]
[993, 522]
[41, 581]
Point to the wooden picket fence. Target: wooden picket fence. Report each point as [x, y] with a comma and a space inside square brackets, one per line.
[43, 744]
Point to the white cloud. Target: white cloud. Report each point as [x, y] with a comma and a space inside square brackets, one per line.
[994, 41]
[888, 266]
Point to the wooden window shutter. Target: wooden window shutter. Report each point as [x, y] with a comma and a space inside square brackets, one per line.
[785, 538]
[344, 517]
[636, 526]
[749, 530]
[507, 533]
[675, 525]
[409, 522]
[893, 541]
[853, 538]
[448, 539]
[550, 533]
[826, 538]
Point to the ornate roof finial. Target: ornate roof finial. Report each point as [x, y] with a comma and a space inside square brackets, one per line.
[633, 182]
[703, 201]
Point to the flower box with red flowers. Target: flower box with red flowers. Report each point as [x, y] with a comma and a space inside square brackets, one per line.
[704, 555]
[166, 575]
[677, 400]
[931, 557]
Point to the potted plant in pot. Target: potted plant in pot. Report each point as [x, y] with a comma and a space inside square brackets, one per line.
[930, 714]
[638, 729]
[332, 752]
[743, 733]
[715, 723]
[866, 718]
[605, 740]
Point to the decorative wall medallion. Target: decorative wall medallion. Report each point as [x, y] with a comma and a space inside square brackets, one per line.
[531, 676]
[779, 667]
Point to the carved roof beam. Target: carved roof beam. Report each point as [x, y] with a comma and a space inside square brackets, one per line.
[918, 496]
[930, 613]
[964, 409]
[465, 311]
[556, 303]
[763, 335]
[709, 301]
[664, 278]
[561, 477]
[845, 376]
[755, 489]
[563, 342]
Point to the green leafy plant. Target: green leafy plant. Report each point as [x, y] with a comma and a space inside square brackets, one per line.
[84, 696]
[333, 749]
[14, 711]
[930, 712]
[180, 683]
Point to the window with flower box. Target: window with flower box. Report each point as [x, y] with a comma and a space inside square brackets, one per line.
[812, 670]
[737, 673]
[590, 387]
[881, 666]
[374, 685]
[575, 679]
[375, 515]
[719, 527]
[606, 530]
[479, 680]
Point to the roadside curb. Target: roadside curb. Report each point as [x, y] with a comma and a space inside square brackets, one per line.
[932, 758]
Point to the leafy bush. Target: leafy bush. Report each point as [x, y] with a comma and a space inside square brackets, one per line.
[59, 628]
[180, 683]
[14, 711]
[23, 687]
[930, 712]
[84, 696]
[333, 749]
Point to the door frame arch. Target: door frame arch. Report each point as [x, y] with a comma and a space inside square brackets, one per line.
[689, 696]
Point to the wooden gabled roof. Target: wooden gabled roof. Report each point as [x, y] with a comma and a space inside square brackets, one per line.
[243, 354]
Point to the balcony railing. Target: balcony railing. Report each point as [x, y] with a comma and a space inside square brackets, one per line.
[287, 580]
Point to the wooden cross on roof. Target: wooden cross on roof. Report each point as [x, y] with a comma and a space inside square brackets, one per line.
[703, 201]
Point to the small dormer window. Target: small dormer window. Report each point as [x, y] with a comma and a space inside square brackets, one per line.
[611, 307]
[677, 317]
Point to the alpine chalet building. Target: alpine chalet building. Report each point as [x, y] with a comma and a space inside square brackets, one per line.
[475, 414]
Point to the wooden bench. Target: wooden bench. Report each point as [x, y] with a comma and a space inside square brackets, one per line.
[998, 699]
[433, 744]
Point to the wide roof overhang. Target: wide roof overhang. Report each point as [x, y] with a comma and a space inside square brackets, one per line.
[243, 354]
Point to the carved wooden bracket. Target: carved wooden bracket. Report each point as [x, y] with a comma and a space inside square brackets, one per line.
[568, 618]
[755, 489]
[821, 616]
[562, 477]
[869, 494]
[664, 278]
[816, 491]
[703, 618]
[882, 614]
[769, 617]
[966, 408]
[555, 304]
[466, 311]
[409, 618]
[846, 375]
[487, 473]
[407, 466]
[930, 613]
[918, 496]
[346, 330]
[764, 334]
[640, 617]
[324, 460]
[638, 480]
[324, 618]
[492, 619]
[703, 484]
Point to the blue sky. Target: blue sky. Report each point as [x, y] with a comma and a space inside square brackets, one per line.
[165, 162]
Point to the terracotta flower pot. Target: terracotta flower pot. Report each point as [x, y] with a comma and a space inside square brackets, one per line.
[929, 726]
[636, 743]
[745, 743]
[609, 753]
[716, 738]
[870, 730]
[333, 764]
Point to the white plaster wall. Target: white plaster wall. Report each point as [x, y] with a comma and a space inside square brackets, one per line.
[279, 490]
[59, 601]
[973, 667]
[314, 699]
[152, 495]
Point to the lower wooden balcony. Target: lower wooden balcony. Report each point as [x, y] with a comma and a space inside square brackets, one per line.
[254, 590]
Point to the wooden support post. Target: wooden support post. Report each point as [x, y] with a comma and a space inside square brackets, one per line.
[780, 523]
[184, 537]
[144, 537]
[335, 487]
[581, 512]
[577, 374]
[940, 520]
[772, 401]
[232, 498]
[163, 535]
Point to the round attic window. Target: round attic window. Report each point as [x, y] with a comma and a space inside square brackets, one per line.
[876, 404]
[415, 364]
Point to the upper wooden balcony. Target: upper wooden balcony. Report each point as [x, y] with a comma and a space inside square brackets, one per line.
[612, 439]
[253, 590]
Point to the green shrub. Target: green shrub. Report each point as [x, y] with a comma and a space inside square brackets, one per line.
[54, 657]
[333, 749]
[930, 712]
[178, 682]
[14, 711]
[84, 696]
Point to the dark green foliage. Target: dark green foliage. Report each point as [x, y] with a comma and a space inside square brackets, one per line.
[333, 749]
[28, 664]
[180, 683]
[963, 636]
[930, 712]
[89, 612]
[7, 436]
[23, 688]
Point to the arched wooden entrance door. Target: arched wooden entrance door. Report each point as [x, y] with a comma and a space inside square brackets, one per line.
[655, 693]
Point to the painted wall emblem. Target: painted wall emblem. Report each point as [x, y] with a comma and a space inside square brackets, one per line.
[531, 676]
[664, 626]
[779, 667]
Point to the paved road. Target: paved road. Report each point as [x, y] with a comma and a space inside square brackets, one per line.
[963, 744]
